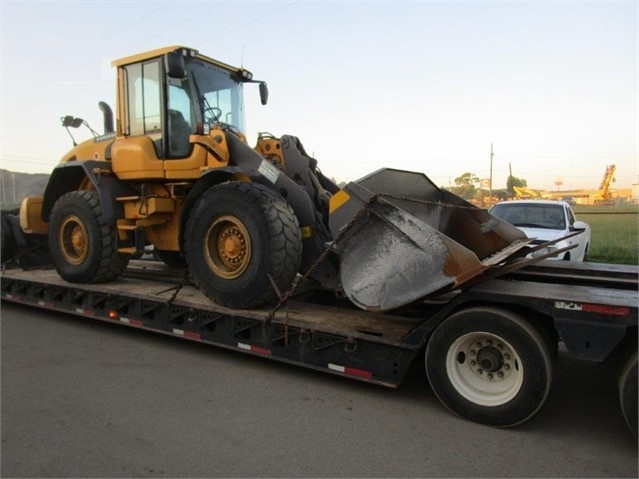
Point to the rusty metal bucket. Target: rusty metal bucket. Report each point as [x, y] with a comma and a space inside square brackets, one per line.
[400, 239]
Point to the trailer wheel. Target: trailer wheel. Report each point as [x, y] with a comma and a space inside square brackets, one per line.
[83, 246]
[490, 366]
[628, 391]
[238, 235]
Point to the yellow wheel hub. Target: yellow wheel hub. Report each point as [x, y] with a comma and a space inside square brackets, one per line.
[74, 240]
[227, 247]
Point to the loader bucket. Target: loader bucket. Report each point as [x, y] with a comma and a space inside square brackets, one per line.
[401, 239]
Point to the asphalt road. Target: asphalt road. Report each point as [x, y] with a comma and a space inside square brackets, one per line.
[81, 398]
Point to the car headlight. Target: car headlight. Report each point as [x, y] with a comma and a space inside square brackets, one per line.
[544, 251]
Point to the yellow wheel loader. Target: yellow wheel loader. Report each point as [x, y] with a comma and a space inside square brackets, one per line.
[175, 171]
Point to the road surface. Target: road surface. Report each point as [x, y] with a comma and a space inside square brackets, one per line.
[84, 398]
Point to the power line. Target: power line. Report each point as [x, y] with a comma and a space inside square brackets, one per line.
[249, 22]
[127, 25]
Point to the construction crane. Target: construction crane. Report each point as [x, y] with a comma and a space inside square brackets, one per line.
[604, 196]
[525, 193]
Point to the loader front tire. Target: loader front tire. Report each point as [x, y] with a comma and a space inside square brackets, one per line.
[83, 246]
[490, 366]
[237, 236]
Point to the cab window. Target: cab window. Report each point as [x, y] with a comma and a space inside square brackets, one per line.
[144, 98]
[180, 121]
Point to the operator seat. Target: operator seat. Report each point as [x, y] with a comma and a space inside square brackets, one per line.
[179, 131]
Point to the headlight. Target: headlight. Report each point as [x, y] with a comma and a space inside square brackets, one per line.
[543, 251]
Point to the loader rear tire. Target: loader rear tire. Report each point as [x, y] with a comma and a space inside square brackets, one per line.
[490, 366]
[237, 236]
[7, 241]
[82, 244]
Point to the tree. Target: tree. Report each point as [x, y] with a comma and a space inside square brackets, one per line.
[465, 185]
[514, 181]
[501, 194]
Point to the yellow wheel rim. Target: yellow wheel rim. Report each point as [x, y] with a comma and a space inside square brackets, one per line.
[74, 240]
[227, 247]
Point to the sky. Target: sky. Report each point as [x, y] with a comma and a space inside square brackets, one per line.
[418, 85]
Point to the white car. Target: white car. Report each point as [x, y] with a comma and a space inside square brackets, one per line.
[547, 220]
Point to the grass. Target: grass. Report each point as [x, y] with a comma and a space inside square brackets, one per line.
[615, 233]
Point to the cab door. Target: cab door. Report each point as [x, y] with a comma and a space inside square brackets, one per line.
[138, 151]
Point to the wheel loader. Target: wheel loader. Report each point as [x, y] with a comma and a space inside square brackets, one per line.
[175, 171]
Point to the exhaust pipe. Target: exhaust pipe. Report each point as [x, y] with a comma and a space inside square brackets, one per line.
[108, 117]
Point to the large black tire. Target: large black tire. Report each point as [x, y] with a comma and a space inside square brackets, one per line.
[7, 240]
[238, 235]
[83, 245]
[490, 366]
[628, 391]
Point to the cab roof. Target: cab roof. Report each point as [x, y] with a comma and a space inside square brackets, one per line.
[138, 57]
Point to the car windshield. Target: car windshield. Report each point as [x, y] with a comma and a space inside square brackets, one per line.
[531, 215]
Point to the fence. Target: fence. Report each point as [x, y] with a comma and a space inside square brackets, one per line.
[614, 234]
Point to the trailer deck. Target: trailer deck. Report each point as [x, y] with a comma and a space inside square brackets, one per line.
[591, 308]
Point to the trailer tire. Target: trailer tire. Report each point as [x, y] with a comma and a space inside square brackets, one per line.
[83, 245]
[490, 366]
[237, 236]
[628, 391]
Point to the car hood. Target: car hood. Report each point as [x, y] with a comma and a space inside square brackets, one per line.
[543, 233]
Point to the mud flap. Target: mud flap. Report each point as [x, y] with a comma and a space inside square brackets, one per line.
[401, 239]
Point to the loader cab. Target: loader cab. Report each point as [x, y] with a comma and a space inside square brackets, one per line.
[164, 97]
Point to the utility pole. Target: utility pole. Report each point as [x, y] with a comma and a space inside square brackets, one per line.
[490, 186]
[510, 178]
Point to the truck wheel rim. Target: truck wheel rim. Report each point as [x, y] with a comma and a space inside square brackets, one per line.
[227, 247]
[484, 369]
[74, 240]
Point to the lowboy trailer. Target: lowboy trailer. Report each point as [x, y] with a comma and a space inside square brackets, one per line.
[489, 349]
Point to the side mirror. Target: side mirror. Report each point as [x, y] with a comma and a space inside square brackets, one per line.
[263, 93]
[579, 226]
[69, 121]
[175, 66]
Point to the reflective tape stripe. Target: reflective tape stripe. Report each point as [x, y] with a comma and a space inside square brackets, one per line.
[188, 334]
[254, 349]
[360, 373]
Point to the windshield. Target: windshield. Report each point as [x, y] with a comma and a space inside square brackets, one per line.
[220, 97]
[531, 215]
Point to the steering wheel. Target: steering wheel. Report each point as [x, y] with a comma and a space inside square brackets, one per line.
[214, 112]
